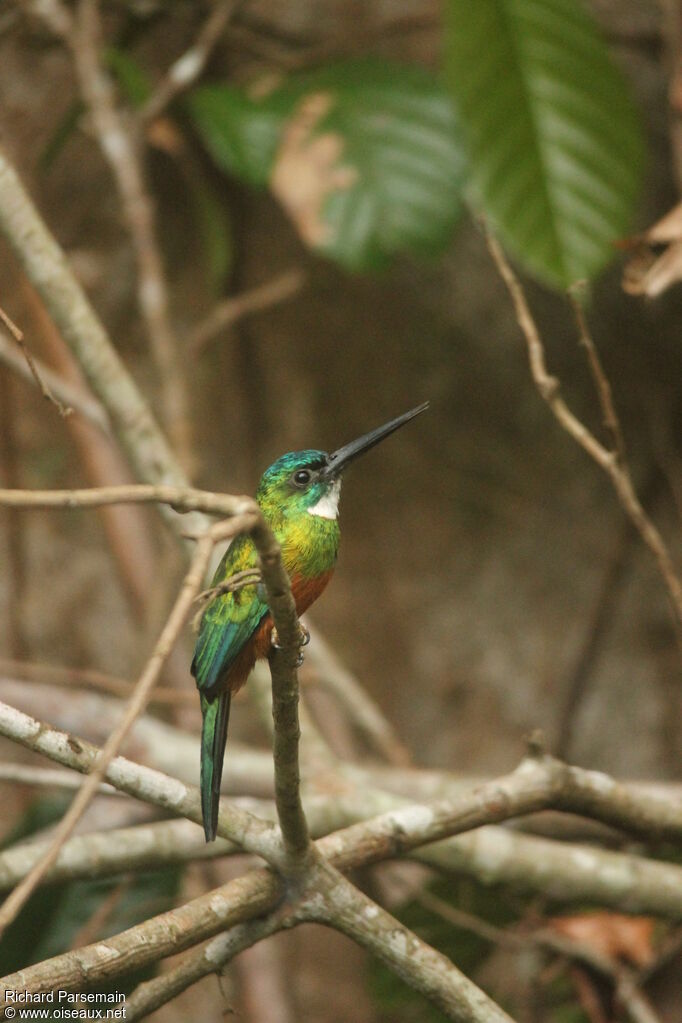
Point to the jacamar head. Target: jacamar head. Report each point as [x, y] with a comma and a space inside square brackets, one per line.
[310, 481]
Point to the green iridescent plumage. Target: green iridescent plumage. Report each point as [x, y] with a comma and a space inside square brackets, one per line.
[310, 546]
[230, 619]
[299, 496]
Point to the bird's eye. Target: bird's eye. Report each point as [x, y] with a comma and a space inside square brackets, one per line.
[302, 478]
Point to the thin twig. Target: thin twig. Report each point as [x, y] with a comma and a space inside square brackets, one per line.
[116, 136]
[361, 709]
[135, 706]
[99, 681]
[22, 774]
[249, 577]
[41, 384]
[196, 965]
[234, 308]
[347, 909]
[404, 828]
[181, 499]
[47, 268]
[68, 395]
[610, 416]
[548, 387]
[187, 68]
[151, 786]
[15, 531]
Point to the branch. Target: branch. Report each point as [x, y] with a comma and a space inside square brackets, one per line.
[493, 855]
[283, 664]
[61, 389]
[116, 137]
[21, 774]
[47, 268]
[608, 409]
[608, 461]
[135, 705]
[86, 678]
[30, 362]
[348, 910]
[157, 743]
[143, 783]
[181, 499]
[232, 309]
[534, 783]
[359, 706]
[190, 65]
[212, 958]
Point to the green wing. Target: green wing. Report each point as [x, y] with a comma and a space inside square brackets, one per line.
[228, 622]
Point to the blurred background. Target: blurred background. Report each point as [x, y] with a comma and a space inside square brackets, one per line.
[488, 582]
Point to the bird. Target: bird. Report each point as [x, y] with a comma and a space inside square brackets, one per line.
[298, 496]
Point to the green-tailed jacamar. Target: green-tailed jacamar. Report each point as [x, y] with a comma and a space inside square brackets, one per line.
[299, 498]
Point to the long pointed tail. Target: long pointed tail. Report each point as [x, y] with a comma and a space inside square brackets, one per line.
[216, 714]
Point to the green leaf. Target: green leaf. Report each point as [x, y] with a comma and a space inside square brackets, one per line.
[364, 155]
[554, 141]
[240, 133]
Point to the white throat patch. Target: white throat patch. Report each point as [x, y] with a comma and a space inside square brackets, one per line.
[328, 505]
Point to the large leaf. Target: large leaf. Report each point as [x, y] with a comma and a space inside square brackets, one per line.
[240, 132]
[553, 138]
[365, 156]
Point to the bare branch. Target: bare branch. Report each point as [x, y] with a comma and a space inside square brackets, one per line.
[182, 499]
[361, 709]
[68, 395]
[234, 308]
[38, 378]
[47, 268]
[74, 678]
[21, 774]
[196, 965]
[610, 416]
[116, 137]
[349, 910]
[134, 707]
[401, 830]
[152, 786]
[548, 387]
[185, 71]
[283, 664]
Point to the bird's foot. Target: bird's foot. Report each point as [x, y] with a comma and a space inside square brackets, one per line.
[304, 640]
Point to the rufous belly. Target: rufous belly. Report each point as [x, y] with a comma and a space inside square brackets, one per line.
[305, 591]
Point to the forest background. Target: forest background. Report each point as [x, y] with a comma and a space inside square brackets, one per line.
[286, 240]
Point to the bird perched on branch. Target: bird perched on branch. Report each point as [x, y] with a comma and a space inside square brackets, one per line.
[299, 498]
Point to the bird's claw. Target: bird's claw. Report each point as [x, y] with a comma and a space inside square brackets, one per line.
[304, 635]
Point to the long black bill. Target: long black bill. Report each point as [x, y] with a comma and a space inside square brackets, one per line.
[340, 459]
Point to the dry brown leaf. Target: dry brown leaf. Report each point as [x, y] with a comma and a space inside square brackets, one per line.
[648, 272]
[627, 938]
[307, 168]
[163, 134]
